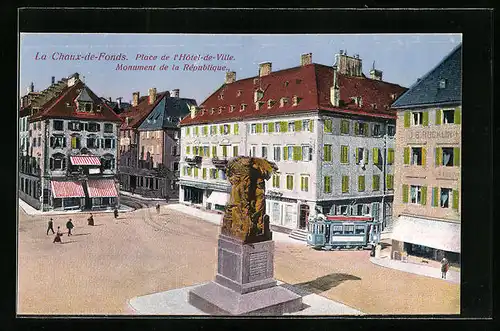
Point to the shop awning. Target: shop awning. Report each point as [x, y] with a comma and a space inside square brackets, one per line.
[85, 160]
[70, 189]
[218, 198]
[101, 188]
[427, 232]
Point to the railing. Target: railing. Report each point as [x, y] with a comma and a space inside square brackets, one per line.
[219, 163]
[193, 160]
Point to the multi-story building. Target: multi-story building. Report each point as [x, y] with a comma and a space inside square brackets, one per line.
[329, 129]
[72, 149]
[149, 146]
[427, 179]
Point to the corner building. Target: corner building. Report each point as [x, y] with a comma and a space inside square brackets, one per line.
[329, 129]
[427, 197]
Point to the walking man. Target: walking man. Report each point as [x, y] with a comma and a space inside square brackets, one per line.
[50, 227]
[158, 208]
[58, 236]
[69, 226]
[445, 265]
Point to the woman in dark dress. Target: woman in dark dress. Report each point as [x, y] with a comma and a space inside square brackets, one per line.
[57, 239]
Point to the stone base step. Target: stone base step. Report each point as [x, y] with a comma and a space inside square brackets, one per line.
[298, 234]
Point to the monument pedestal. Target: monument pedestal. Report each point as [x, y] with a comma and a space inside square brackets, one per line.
[244, 284]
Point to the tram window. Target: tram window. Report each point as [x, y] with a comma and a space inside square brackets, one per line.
[321, 228]
[360, 229]
[337, 229]
[348, 229]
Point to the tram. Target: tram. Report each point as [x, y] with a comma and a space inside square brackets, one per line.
[342, 232]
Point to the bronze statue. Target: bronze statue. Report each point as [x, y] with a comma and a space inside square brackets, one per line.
[245, 216]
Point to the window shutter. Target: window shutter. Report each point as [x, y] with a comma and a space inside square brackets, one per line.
[187, 149]
[424, 156]
[311, 126]
[435, 196]
[356, 128]
[367, 155]
[365, 125]
[259, 127]
[306, 183]
[325, 153]
[457, 116]
[98, 127]
[297, 153]
[51, 141]
[224, 151]
[236, 129]
[283, 126]
[235, 150]
[407, 155]
[455, 199]
[285, 153]
[361, 183]
[439, 156]
[73, 142]
[298, 126]
[405, 193]
[214, 151]
[270, 127]
[375, 155]
[357, 155]
[195, 172]
[302, 183]
[64, 141]
[51, 163]
[204, 171]
[425, 118]
[228, 129]
[456, 156]
[424, 195]
[113, 143]
[438, 116]
[407, 119]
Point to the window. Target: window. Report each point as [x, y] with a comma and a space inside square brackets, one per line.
[344, 127]
[289, 152]
[57, 141]
[276, 181]
[277, 153]
[445, 198]
[277, 127]
[307, 153]
[289, 182]
[345, 184]
[213, 130]
[88, 107]
[174, 149]
[57, 162]
[253, 151]
[304, 183]
[448, 156]
[337, 229]
[391, 130]
[376, 182]
[327, 153]
[108, 128]
[376, 130]
[442, 83]
[58, 125]
[206, 151]
[348, 229]
[265, 127]
[361, 155]
[344, 154]
[93, 127]
[306, 125]
[264, 152]
[253, 128]
[109, 142]
[361, 128]
[108, 162]
[75, 126]
[291, 126]
[232, 108]
[328, 127]
[448, 116]
[213, 173]
[417, 118]
[417, 195]
[176, 166]
[92, 142]
[361, 183]
[359, 229]
[235, 151]
[327, 184]
[416, 155]
[243, 107]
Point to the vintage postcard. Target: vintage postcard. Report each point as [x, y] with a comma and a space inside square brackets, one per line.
[239, 175]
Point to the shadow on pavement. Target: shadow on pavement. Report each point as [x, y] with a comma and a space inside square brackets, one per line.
[325, 283]
[80, 234]
[68, 242]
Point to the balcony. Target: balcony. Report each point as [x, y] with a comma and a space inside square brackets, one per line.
[219, 163]
[193, 161]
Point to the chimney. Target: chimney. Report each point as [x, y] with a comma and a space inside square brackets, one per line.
[174, 93]
[305, 59]
[349, 65]
[230, 77]
[32, 87]
[135, 99]
[152, 95]
[119, 102]
[375, 74]
[53, 80]
[264, 69]
[334, 90]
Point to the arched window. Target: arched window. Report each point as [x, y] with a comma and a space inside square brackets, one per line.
[58, 162]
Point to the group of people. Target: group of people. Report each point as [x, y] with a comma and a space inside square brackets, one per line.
[69, 226]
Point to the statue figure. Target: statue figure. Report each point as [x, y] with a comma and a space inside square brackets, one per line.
[245, 216]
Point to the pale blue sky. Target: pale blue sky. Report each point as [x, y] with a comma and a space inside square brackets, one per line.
[402, 58]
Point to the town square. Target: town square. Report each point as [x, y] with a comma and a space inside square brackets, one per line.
[318, 176]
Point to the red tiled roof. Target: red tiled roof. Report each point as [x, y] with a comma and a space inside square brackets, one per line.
[57, 108]
[137, 114]
[310, 83]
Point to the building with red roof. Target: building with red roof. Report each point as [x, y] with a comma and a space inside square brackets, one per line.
[70, 154]
[328, 128]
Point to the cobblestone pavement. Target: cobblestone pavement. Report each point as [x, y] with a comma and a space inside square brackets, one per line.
[99, 268]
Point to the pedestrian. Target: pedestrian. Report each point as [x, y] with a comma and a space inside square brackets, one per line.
[445, 265]
[50, 227]
[116, 212]
[58, 236]
[91, 220]
[167, 198]
[69, 226]
[157, 208]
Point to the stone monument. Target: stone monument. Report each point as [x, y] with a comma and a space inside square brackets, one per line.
[245, 284]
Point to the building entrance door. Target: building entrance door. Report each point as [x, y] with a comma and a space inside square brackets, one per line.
[304, 214]
[133, 182]
[88, 203]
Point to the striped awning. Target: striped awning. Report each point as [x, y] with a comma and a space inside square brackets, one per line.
[85, 160]
[101, 188]
[69, 189]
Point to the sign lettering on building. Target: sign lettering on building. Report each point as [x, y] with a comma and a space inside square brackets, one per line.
[433, 134]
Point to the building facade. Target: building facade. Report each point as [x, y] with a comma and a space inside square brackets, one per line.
[72, 150]
[428, 174]
[149, 143]
[329, 129]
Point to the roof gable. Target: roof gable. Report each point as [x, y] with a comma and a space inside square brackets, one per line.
[427, 91]
[166, 109]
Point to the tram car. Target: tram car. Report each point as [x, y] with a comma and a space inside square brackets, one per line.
[342, 232]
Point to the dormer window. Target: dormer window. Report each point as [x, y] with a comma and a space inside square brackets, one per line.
[283, 101]
[393, 96]
[442, 83]
[358, 101]
[286, 83]
[212, 111]
[232, 108]
[270, 103]
[68, 104]
[296, 100]
[243, 107]
[221, 96]
[255, 81]
[258, 95]
[374, 106]
[258, 105]
[99, 108]
[220, 110]
[239, 93]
